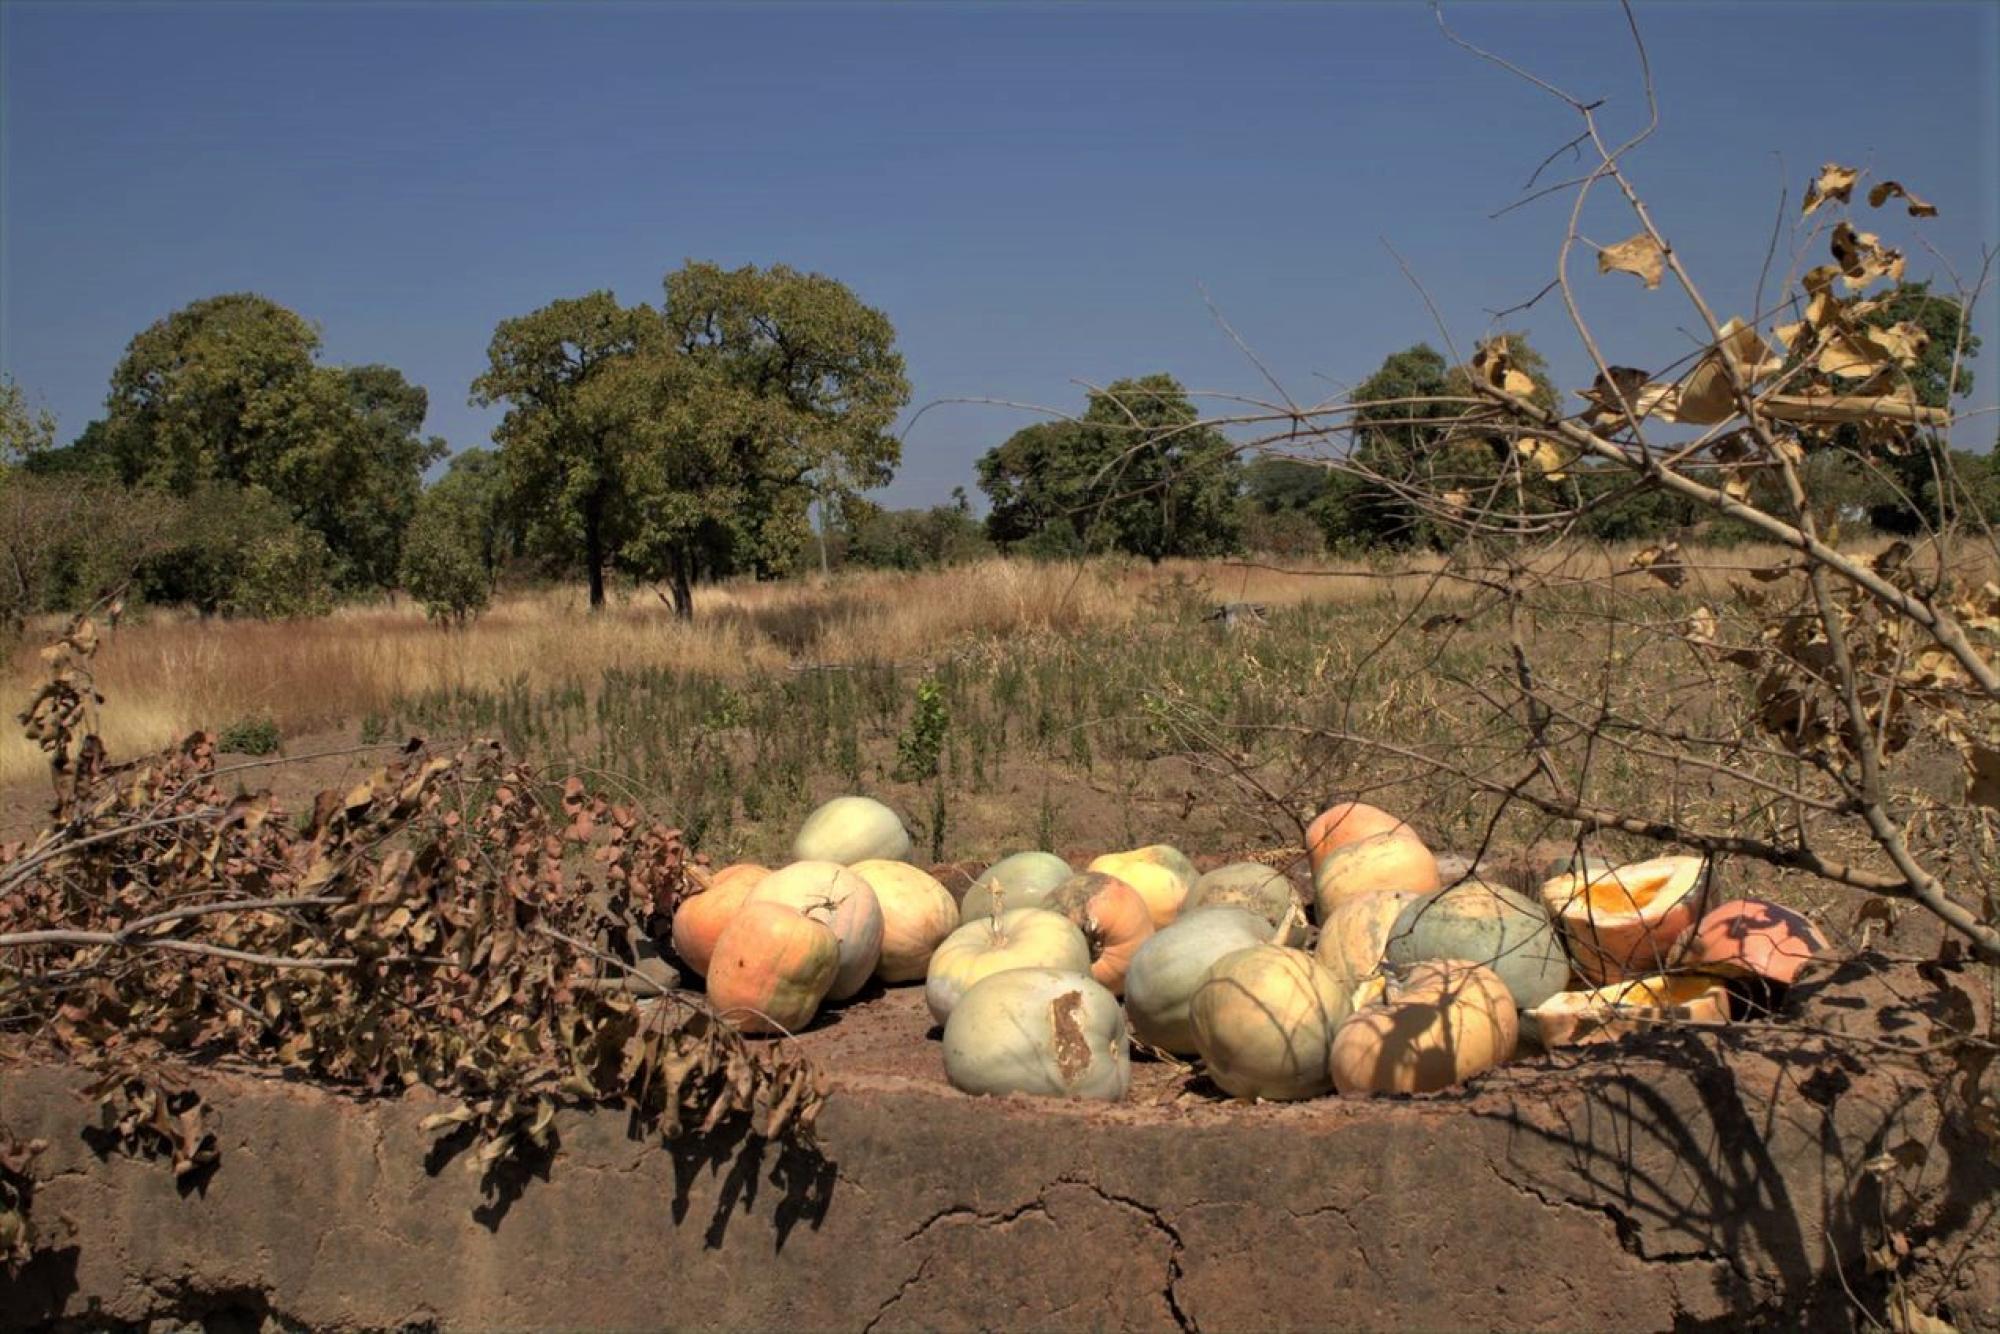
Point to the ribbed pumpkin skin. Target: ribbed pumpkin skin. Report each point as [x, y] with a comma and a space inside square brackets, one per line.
[1042, 1031]
[1249, 885]
[1756, 938]
[1024, 878]
[851, 829]
[1023, 938]
[1635, 921]
[1484, 924]
[1263, 1021]
[1345, 823]
[771, 968]
[832, 894]
[1383, 861]
[1162, 875]
[700, 918]
[1169, 968]
[1439, 1024]
[1352, 939]
[1112, 917]
[917, 914]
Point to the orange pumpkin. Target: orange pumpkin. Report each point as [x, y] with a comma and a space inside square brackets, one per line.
[1631, 921]
[771, 968]
[1114, 920]
[1396, 860]
[700, 918]
[1344, 823]
[1436, 1024]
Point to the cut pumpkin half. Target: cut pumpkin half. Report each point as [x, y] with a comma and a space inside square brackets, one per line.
[1630, 922]
[1599, 1015]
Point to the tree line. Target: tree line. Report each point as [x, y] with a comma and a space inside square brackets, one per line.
[233, 471]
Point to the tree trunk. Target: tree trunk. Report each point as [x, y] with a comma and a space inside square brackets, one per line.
[683, 586]
[593, 551]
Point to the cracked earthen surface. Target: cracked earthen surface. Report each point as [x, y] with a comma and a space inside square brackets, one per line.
[1672, 1181]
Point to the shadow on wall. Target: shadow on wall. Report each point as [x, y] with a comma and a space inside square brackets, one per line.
[1698, 1178]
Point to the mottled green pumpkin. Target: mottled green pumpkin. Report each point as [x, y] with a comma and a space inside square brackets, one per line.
[1025, 880]
[1485, 924]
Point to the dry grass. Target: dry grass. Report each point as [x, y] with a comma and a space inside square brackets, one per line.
[172, 674]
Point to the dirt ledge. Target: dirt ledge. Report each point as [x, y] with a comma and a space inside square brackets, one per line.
[1677, 1182]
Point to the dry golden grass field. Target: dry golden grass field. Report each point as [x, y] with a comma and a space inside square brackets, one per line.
[997, 706]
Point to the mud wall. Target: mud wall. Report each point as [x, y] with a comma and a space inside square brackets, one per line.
[1683, 1182]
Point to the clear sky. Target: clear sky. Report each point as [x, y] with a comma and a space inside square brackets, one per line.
[1035, 195]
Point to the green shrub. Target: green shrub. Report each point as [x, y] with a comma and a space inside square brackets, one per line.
[250, 736]
[285, 576]
[444, 567]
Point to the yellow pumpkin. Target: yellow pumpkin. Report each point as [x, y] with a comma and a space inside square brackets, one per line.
[832, 894]
[1023, 938]
[1162, 875]
[1436, 1024]
[1355, 933]
[1381, 861]
[701, 916]
[1634, 921]
[1113, 918]
[1263, 1020]
[1345, 823]
[771, 968]
[917, 914]
[1604, 1013]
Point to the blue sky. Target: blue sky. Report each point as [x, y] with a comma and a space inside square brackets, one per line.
[1035, 195]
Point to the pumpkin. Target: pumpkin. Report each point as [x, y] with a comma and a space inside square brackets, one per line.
[1169, 966]
[918, 912]
[1022, 938]
[771, 968]
[843, 900]
[1485, 924]
[1249, 885]
[1380, 861]
[1113, 919]
[1435, 1025]
[1756, 938]
[1044, 1031]
[1162, 875]
[1024, 880]
[851, 829]
[1604, 1013]
[1263, 1020]
[1633, 921]
[700, 917]
[1353, 936]
[1345, 823]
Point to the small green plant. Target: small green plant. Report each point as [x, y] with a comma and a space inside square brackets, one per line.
[250, 736]
[1045, 823]
[922, 743]
[939, 822]
[374, 729]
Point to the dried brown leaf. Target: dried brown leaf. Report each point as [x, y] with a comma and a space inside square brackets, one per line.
[1639, 255]
[1833, 182]
[1888, 190]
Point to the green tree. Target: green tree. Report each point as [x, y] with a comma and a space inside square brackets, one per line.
[25, 432]
[442, 568]
[569, 433]
[1923, 487]
[1135, 473]
[229, 390]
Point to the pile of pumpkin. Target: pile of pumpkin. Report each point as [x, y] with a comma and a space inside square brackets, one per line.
[1043, 976]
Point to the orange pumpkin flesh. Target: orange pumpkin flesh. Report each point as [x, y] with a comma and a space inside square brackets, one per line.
[1113, 917]
[771, 968]
[1599, 1015]
[1632, 921]
[701, 917]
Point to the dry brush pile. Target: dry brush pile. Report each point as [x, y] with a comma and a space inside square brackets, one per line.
[458, 923]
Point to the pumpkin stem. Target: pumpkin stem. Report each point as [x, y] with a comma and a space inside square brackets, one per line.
[1283, 930]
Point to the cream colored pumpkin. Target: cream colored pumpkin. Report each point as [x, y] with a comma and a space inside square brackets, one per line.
[1381, 861]
[1023, 938]
[1162, 875]
[771, 968]
[851, 829]
[832, 894]
[1251, 885]
[1353, 936]
[1263, 1020]
[1435, 1024]
[1041, 1031]
[917, 914]
[1170, 966]
[1023, 880]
